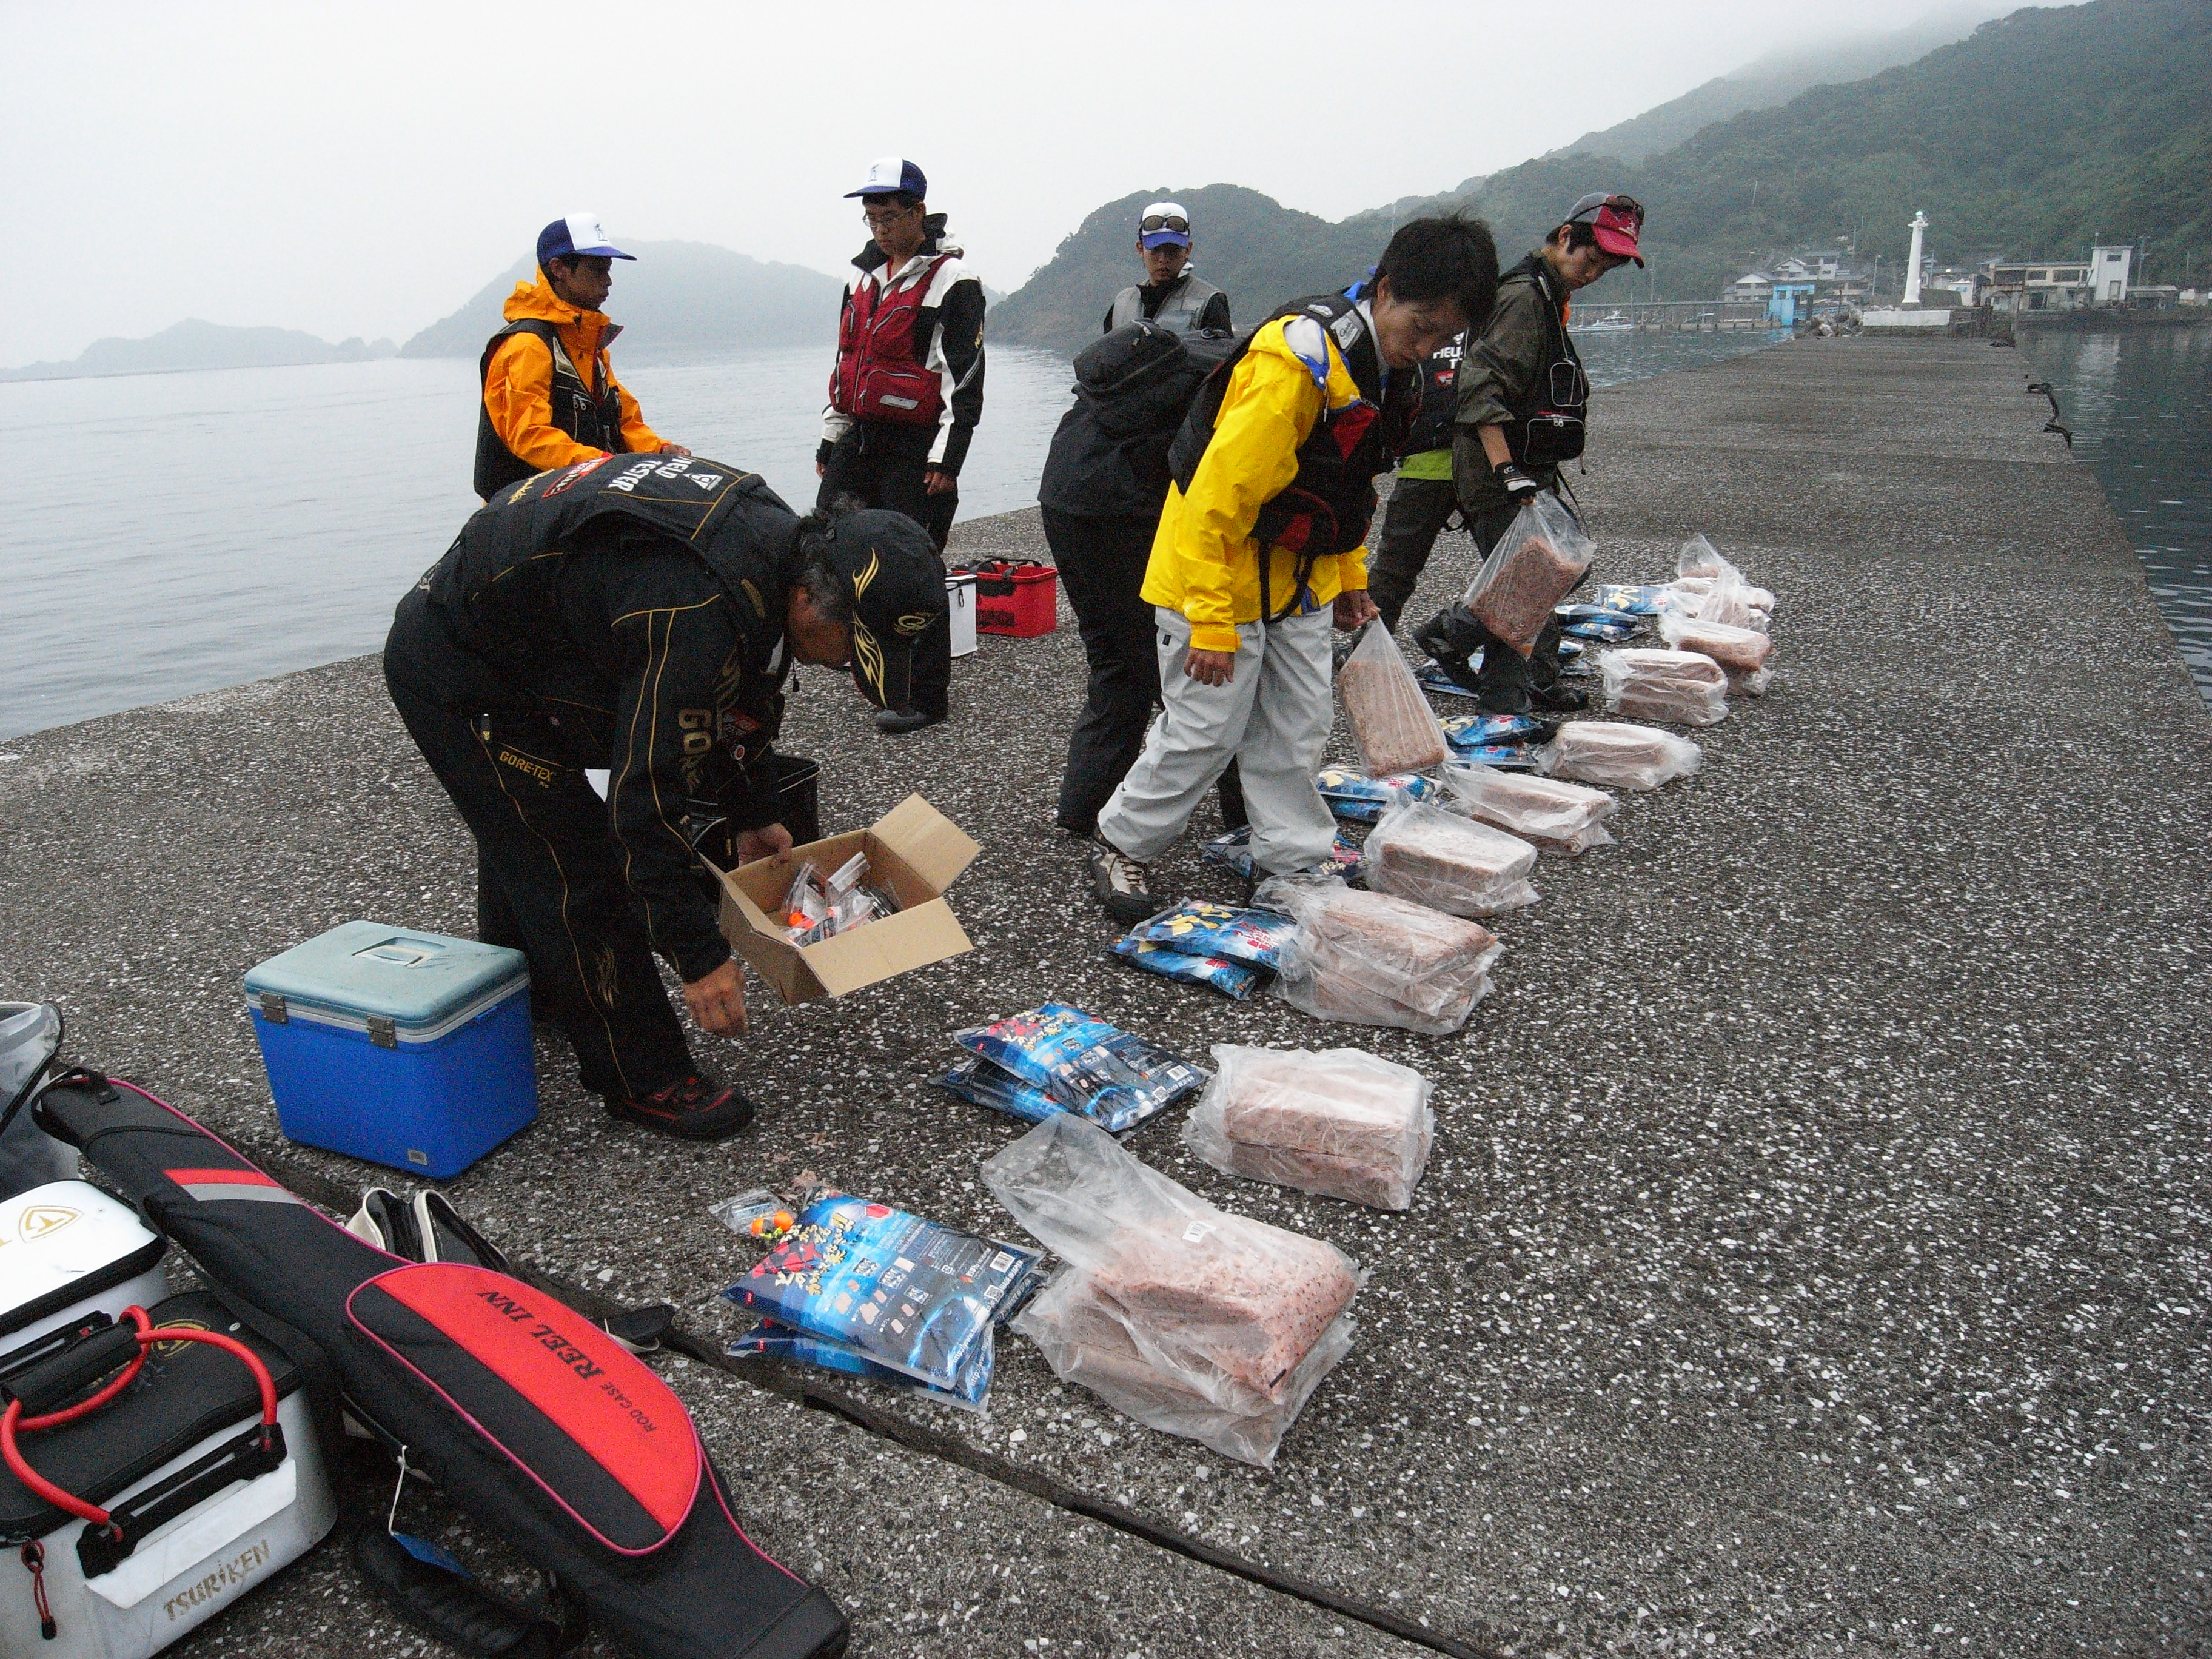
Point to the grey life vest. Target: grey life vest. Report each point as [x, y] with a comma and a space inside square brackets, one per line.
[1179, 306]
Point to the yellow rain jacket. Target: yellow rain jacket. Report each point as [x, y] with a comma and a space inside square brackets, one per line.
[1205, 562]
[519, 381]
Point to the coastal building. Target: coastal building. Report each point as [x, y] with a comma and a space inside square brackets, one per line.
[2016, 286]
[2108, 275]
[1752, 285]
[1788, 301]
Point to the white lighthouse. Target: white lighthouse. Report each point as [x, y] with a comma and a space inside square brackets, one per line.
[1912, 261]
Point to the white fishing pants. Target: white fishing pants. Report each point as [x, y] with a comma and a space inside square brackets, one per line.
[1272, 719]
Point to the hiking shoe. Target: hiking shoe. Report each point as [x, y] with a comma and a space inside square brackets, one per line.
[387, 1221]
[1123, 885]
[897, 722]
[692, 1108]
[1556, 699]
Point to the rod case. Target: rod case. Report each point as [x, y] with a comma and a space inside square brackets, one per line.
[531, 1419]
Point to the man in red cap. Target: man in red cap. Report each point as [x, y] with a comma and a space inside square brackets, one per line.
[1522, 399]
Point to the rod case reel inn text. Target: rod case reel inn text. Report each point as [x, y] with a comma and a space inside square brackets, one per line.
[532, 1419]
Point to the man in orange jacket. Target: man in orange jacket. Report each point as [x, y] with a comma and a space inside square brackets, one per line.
[549, 397]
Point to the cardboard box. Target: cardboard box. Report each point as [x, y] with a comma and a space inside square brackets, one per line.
[914, 850]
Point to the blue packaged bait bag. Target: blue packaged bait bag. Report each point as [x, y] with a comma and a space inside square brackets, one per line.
[1235, 850]
[1433, 678]
[1231, 979]
[910, 1295]
[1594, 621]
[977, 1080]
[1479, 731]
[969, 1393]
[1497, 756]
[1633, 599]
[1357, 799]
[1258, 937]
[1091, 1068]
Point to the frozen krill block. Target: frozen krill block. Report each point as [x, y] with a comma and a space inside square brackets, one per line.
[1434, 857]
[1679, 686]
[1564, 817]
[1342, 1123]
[1083, 1340]
[1743, 650]
[1617, 756]
[1539, 559]
[1750, 685]
[1391, 720]
[1375, 960]
[1248, 1298]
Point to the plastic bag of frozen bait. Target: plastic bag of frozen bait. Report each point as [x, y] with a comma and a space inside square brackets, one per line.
[1235, 850]
[970, 1391]
[1093, 1069]
[1257, 937]
[914, 1296]
[1357, 799]
[1500, 731]
[1231, 979]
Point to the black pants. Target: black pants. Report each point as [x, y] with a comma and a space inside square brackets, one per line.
[883, 466]
[1411, 524]
[549, 873]
[1102, 566]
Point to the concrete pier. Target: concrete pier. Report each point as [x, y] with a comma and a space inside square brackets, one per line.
[1814, 1257]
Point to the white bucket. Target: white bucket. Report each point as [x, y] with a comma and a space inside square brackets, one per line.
[960, 610]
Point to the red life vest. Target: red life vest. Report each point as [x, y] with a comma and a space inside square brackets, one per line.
[880, 374]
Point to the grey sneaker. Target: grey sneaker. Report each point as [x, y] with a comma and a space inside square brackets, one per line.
[1123, 885]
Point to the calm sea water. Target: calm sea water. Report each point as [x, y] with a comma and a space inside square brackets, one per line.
[2139, 402]
[170, 533]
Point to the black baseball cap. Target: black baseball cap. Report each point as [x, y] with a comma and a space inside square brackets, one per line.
[889, 570]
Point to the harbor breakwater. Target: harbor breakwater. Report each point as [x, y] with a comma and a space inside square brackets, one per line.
[1813, 1254]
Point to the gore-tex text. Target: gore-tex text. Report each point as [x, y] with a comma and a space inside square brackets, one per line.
[543, 1334]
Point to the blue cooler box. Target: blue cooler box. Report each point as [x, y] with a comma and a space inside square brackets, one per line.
[408, 1049]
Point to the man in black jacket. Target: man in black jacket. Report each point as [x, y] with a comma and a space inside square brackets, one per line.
[906, 389]
[1105, 480]
[1523, 401]
[1422, 500]
[641, 616]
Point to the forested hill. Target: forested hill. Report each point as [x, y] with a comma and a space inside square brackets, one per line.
[2037, 134]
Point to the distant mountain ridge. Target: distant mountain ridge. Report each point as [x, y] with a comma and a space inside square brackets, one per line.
[2037, 134]
[679, 299]
[193, 344]
[1772, 80]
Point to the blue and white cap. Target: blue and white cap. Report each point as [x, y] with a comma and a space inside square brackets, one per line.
[577, 236]
[1165, 224]
[890, 173]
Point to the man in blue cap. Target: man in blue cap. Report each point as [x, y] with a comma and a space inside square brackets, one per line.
[908, 389]
[549, 397]
[1173, 293]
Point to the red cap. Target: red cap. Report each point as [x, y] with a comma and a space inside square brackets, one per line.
[1618, 220]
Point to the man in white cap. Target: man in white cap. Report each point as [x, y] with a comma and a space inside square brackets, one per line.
[549, 397]
[1173, 293]
[906, 389]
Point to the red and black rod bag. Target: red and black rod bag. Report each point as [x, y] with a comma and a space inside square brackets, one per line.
[531, 1419]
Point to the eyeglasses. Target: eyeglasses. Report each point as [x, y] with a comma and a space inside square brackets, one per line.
[873, 217]
[1174, 222]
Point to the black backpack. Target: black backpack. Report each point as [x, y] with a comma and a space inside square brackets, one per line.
[1133, 388]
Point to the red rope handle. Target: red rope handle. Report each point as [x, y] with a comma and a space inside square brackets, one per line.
[12, 1421]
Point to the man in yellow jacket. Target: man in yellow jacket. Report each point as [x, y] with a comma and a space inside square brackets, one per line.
[549, 397]
[1261, 546]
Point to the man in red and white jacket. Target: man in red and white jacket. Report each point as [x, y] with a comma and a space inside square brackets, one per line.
[907, 390]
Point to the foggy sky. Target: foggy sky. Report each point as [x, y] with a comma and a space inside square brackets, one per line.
[363, 170]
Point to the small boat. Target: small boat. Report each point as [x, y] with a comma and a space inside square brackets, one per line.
[1612, 322]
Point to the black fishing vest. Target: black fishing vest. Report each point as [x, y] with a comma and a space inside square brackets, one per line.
[500, 592]
[1547, 427]
[1325, 509]
[590, 418]
[1439, 395]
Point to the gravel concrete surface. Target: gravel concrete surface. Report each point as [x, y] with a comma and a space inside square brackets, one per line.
[1810, 1261]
